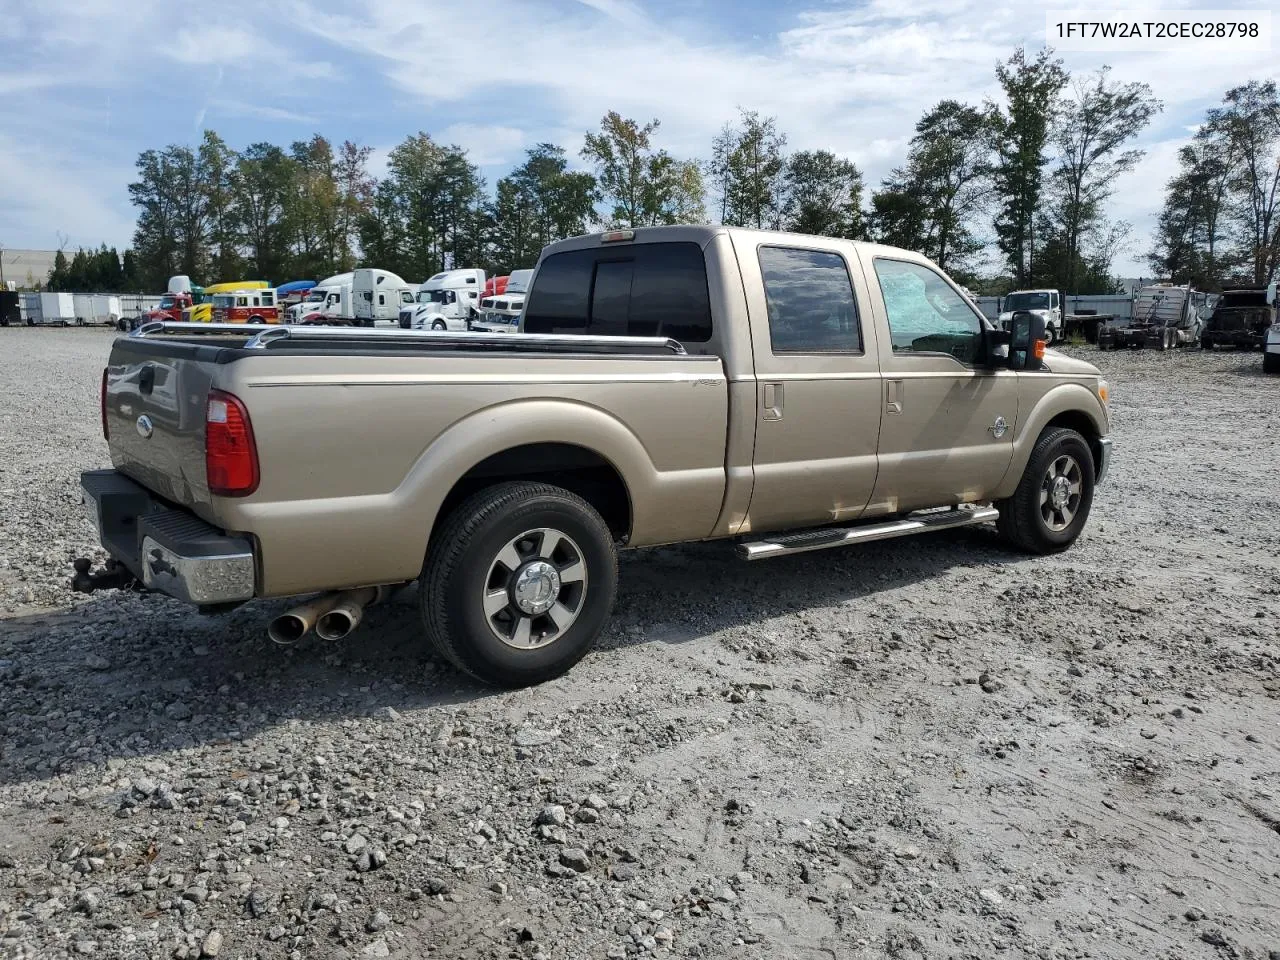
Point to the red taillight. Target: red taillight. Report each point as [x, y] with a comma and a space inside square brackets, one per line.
[102, 406]
[230, 454]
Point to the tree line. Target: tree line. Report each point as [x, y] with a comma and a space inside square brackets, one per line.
[1001, 194]
[1221, 214]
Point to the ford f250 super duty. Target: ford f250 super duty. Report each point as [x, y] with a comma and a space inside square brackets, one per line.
[667, 384]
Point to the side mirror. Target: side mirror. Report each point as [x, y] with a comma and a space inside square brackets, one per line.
[1027, 341]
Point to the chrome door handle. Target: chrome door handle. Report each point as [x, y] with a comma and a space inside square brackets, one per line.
[772, 400]
[893, 393]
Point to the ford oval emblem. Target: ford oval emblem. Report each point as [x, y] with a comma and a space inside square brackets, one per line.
[145, 427]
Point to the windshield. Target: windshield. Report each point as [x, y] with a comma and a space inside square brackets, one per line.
[315, 296]
[1026, 301]
[167, 301]
[433, 296]
[518, 282]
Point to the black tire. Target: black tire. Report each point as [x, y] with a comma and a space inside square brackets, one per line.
[460, 567]
[256, 320]
[438, 325]
[1022, 521]
[1271, 363]
[1051, 334]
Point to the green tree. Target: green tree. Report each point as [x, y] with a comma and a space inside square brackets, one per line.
[1192, 231]
[382, 233]
[156, 238]
[898, 213]
[1023, 129]
[673, 192]
[749, 167]
[459, 202]
[314, 209]
[641, 186]
[130, 278]
[539, 202]
[1251, 120]
[414, 181]
[622, 153]
[59, 277]
[217, 166]
[951, 160]
[1094, 124]
[355, 195]
[933, 202]
[191, 205]
[264, 183]
[823, 195]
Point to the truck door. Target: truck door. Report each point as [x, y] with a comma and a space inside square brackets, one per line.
[947, 432]
[817, 383]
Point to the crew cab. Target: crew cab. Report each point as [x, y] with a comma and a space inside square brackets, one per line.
[669, 384]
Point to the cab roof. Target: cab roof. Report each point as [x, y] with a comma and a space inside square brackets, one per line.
[704, 233]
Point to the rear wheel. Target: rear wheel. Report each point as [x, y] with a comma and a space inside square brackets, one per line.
[518, 583]
[256, 320]
[1051, 505]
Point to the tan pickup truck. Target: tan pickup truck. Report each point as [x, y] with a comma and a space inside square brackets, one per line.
[668, 384]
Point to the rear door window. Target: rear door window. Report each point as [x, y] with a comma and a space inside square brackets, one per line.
[642, 290]
[810, 300]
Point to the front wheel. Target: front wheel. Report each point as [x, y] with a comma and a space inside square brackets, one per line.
[1271, 363]
[438, 325]
[1051, 505]
[518, 583]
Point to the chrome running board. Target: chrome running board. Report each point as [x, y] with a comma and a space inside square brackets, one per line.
[826, 538]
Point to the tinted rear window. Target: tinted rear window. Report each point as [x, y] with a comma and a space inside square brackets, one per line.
[642, 290]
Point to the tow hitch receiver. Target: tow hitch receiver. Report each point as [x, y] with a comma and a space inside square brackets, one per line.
[114, 576]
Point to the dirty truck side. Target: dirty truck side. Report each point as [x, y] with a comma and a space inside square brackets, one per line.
[671, 384]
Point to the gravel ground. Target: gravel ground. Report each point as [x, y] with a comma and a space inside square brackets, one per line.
[921, 748]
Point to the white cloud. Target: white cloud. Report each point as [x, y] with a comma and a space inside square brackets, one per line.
[238, 108]
[47, 194]
[487, 144]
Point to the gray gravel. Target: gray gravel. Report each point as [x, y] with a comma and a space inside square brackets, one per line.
[922, 748]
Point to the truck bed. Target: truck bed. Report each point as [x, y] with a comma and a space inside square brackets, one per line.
[356, 440]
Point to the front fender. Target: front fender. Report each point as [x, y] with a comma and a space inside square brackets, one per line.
[1070, 401]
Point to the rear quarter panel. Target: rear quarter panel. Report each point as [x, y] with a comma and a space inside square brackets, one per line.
[357, 453]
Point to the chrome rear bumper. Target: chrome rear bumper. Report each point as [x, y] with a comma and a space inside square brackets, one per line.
[167, 548]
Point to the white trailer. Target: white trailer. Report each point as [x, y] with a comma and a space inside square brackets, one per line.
[83, 308]
[55, 309]
[106, 309]
[378, 296]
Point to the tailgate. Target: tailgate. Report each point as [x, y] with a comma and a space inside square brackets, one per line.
[156, 393]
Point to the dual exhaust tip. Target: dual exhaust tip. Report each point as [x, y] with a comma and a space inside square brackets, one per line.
[332, 615]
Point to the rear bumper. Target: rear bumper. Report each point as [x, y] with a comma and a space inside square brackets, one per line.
[1231, 338]
[1104, 459]
[166, 548]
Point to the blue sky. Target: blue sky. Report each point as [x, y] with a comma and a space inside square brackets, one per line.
[98, 81]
